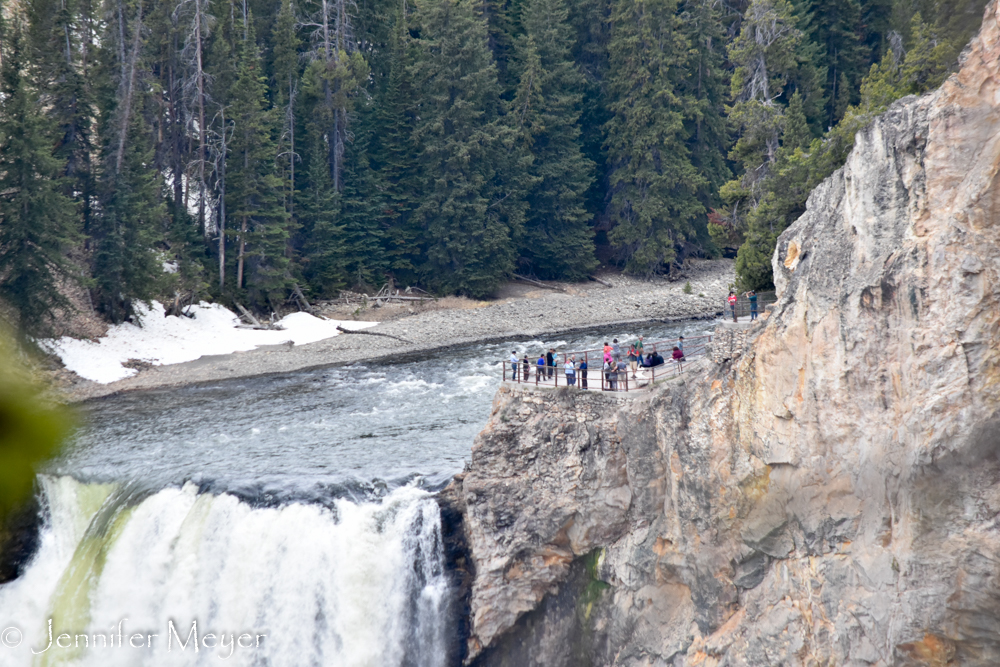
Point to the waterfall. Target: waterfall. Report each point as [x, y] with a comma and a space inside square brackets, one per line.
[126, 576]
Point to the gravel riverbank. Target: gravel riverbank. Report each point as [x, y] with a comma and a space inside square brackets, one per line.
[523, 311]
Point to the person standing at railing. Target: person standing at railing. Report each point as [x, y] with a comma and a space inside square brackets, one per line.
[752, 296]
[514, 364]
[527, 368]
[633, 359]
[678, 355]
[583, 373]
[611, 372]
[638, 349]
[540, 368]
[732, 303]
[680, 344]
[550, 361]
[570, 372]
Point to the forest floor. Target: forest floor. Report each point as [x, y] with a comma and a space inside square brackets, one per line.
[519, 311]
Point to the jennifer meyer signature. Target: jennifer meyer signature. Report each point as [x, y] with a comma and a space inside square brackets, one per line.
[225, 643]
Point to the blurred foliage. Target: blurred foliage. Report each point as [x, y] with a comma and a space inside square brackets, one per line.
[32, 427]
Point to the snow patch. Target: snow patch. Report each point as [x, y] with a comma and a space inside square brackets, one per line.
[173, 340]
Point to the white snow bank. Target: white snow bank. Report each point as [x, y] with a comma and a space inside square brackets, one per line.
[172, 340]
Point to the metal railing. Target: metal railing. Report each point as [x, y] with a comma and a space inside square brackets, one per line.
[625, 376]
[746, 308]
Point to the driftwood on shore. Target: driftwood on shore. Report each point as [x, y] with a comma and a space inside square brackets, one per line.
[371, 333]
[538, 283]
[598, 280]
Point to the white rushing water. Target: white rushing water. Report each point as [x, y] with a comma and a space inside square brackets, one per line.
[355, 584]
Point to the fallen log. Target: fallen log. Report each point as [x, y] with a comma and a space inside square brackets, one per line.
[539, 284]
[598, 280]
[395, 297]
[248, 315]
[371, 333]
[301, 298]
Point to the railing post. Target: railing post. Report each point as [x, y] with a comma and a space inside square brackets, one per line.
[505, 371]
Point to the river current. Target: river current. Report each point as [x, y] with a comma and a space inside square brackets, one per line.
[284, 520]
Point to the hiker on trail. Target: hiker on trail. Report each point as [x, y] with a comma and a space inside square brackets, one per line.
[611, 373]
[514, 363]
[570, 372]
[638, 348]
[540, 368]
[607, 349]
[633, 359]
[732, 303]
[527, 368]
[616, 350]
[550, 361]
[753, 304]
[678, 355]
[583, 373]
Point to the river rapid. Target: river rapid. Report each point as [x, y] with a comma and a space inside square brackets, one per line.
[281, 520]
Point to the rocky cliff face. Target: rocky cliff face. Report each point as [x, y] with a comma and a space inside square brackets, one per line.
[832, 497]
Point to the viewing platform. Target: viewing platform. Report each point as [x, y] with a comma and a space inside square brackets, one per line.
[594, 377]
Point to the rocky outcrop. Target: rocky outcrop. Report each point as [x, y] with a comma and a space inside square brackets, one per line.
[829, 497]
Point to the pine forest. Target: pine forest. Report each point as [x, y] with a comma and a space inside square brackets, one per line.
[253, 150]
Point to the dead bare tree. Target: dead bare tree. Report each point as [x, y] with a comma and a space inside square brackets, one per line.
[128, 68]
[195, 89]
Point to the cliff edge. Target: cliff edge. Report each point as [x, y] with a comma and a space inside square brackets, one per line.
[829, 497]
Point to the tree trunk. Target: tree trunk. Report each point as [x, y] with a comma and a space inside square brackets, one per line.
[239, 258]
[200, 74]
[127, 84]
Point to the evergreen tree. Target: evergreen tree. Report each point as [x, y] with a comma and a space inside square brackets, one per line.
[706, 87]
[125, 266]
[285, 77]
[60, 44]
[324, 252]
[468, 224]
[360, 203]
[253, 190]
[590, 20]
[393, 157]
[653, 182]
[834, 27]
[37, 221]
[558, 239]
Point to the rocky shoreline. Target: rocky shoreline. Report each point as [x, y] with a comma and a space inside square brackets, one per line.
[524, 312]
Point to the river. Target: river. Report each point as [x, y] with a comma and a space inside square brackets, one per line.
[283, 520]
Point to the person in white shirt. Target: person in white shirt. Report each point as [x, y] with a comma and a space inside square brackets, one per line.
[570, 367]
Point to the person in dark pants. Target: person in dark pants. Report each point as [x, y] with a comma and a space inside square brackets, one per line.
[514, 365]
[583, 373]
[753, 304]
[550, 361]
[527, 369]
[732, 304]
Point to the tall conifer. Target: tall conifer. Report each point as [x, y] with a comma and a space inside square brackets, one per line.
[558, 238]
[37, 221]
[468, 225]
[654, 185]
[253, 190]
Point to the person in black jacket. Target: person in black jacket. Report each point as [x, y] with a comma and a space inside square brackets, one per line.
[550, 361]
